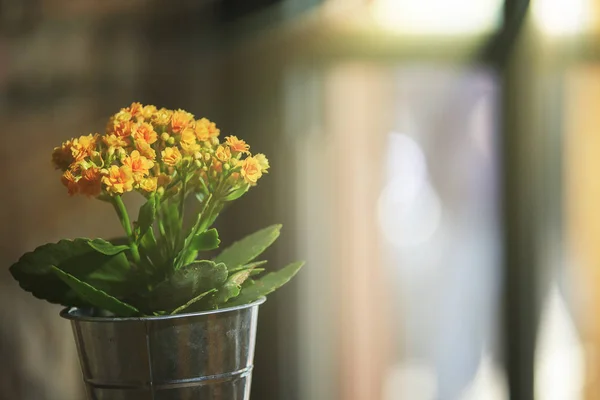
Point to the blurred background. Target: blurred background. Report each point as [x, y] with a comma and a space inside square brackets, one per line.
[436, 162]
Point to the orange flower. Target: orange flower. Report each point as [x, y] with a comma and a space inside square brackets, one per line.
[188, 141]
[149, 184]
[138, 164]
[122, 129]
[237, 145]
[145, 149]
[62, 156]
[83, 146]
[162, 117]
[250, 171]
[144, 131]
[135, 109]
[70, 181]
[171, 156]
[114, 141]
[118, 180]
[206, 129]
[180, 120]
[90, 183]
[223, 153]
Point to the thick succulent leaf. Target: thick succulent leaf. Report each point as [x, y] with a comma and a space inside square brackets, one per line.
[146, 216]
[150, 247]
[107, 248]
[187, 283]
[193, 301]
[34, 272]
[266, 284]
[250, 247]
[236, 194]
[94, 296]
[172, 223]
[251, 265]
[231, 288]
[204, 241]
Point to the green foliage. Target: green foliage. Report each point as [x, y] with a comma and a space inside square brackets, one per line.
[187, 283]
[34, 270]
[95, 296]
[146, 216]
[154, 270]
[247, 249]
[266, 284]
[204, 241]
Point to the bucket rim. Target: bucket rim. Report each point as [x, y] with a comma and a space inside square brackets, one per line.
[76, 314]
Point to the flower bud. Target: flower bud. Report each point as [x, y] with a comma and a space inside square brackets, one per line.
[171, 141]
[226, 166]
[160, 191]
[198, 164]
[165, 136]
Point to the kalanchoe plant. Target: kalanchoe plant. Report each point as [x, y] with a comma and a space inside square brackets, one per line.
[159, 267]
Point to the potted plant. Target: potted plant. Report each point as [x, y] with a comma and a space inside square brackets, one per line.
[154, 315]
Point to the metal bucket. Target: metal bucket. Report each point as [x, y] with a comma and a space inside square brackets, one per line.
[207, 355]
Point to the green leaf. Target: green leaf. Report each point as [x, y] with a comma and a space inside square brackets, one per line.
[34, 272]
[94, 296]
[187, 283]
[146, 215]
[231, 288]
[172, 224]
[266, 284]
[207, 240]
[192, 301]
[107, 248]
[250, 247]
[236, 194]
[150, 247]
[251, 265]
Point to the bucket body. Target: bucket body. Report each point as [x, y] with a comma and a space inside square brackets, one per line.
[207, 355]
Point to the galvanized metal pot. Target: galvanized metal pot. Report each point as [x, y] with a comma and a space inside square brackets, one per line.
[207, 355]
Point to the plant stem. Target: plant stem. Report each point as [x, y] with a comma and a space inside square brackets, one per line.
[181, 207]
[124, 218]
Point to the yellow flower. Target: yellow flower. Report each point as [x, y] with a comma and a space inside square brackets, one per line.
[180, 120]
[90, 183]
[148, 111]
[171, 156]
[144, 131]
[250, 171]
[83, 146]
[145, 149]
[70, 181]
[119, 179]
[223, 153]
[122, 116]
[114, 141]
[237, 145]
[188, 142]
[162, 117]
[62, 156]
[149, 184]
[263, 162]
[206, 129]
[138, 164]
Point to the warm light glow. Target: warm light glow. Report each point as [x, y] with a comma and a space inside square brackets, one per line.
[561, 17]
[437, 17]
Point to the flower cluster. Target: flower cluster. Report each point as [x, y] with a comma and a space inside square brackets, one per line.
[157, 150]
